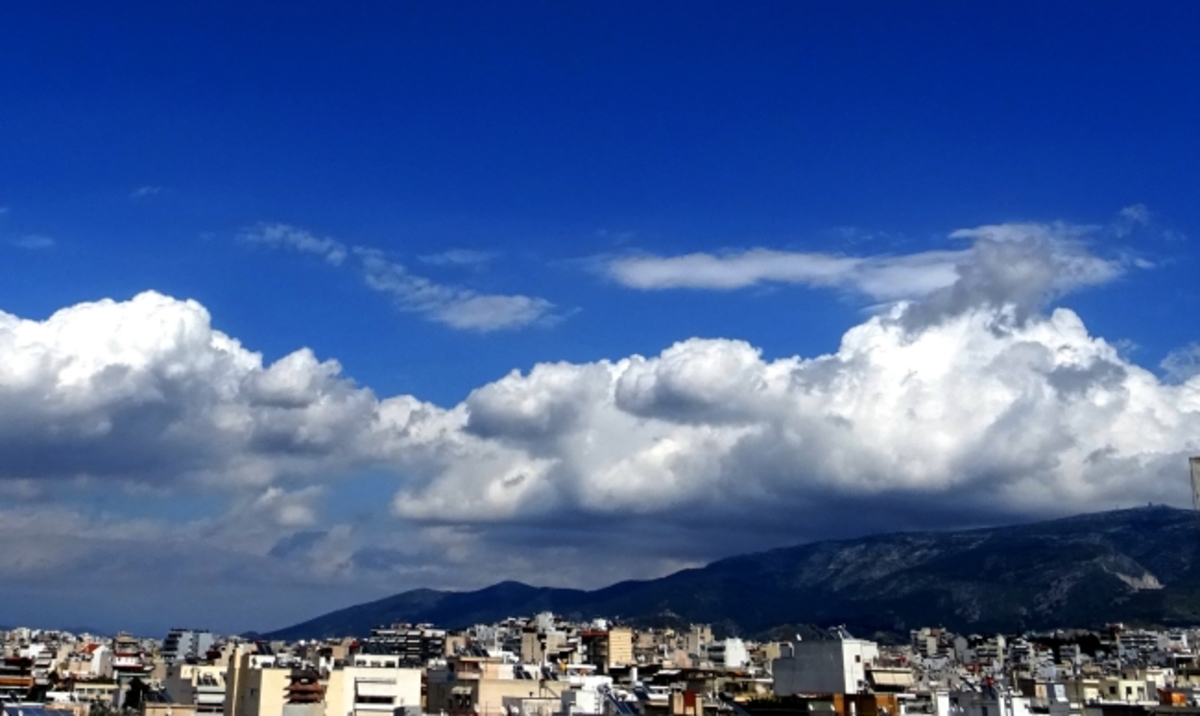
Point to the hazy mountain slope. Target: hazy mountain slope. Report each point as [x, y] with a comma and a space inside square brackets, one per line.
[1080, 571]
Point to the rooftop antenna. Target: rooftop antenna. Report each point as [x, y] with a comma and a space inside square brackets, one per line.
[1194, 463]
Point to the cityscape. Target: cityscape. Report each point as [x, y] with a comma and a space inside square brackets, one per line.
[546, 665]
[599, 358]
[657, 662]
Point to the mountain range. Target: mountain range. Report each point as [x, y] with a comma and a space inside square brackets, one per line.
[1135, 565]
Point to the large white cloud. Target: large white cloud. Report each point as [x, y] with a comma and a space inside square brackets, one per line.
[1032, 416]
[147, 391]
[968, 388]
[967, 396]
[967, 403]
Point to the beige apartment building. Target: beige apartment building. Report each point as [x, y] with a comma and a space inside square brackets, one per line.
[253, 690]
[198, 685]
[256, 691]
[608, 648]
[479, 685]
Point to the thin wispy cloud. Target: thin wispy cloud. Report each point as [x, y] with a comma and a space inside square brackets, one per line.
[469, 258]
[616, 237]
[881, 278]
[1135, 214]
[33, 242]
[458, 307]
[145, 192]
[278, 236]
[453, 306]
[1138, 218]
[1064, 260]
[1181, 364]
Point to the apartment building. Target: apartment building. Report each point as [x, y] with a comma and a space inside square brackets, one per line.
[187, 644]
[373, 691]
[478, 685]
[200, 685]
[836, 665]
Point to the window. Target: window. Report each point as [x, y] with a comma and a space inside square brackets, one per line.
[858, 660]
[364, 699]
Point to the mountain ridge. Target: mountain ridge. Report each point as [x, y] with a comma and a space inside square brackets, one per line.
[1084, 570]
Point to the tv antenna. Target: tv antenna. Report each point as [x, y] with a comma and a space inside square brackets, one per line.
[1194, 463]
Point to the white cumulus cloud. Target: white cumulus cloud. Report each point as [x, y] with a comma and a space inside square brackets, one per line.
[147, 391]
[967, 396]
[979, 410]
[970, 402]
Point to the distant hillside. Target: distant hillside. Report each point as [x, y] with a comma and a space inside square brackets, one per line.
[1128, 565]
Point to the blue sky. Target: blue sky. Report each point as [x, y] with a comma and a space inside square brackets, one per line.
[435, 195]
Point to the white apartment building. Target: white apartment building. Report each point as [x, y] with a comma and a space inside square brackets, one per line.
[372, 691]
[729, 654]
